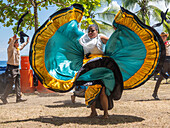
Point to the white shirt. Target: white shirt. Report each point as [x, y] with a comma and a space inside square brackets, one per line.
[93, 46]
[167, 46]
[14, 53]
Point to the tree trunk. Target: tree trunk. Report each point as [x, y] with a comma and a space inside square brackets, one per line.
[35, 17]
[143, 16]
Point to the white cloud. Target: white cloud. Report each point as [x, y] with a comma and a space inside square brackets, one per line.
[161, 5]
[113, 6]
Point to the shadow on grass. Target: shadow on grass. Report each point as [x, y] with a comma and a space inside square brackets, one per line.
[58, 121]
[150, 100]
[67, 104]
[44, 94]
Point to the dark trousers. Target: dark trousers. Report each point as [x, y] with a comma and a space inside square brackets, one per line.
[166, 68]
[12, 77]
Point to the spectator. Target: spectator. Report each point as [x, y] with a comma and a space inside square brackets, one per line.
[12, 71]
[166, 66]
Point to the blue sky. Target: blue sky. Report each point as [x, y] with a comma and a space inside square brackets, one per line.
[6, 32]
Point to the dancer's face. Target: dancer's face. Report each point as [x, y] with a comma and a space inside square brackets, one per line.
[92, 32]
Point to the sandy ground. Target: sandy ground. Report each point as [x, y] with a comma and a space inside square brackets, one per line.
[136, 109]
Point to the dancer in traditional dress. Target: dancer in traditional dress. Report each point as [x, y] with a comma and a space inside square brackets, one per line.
[62, 60]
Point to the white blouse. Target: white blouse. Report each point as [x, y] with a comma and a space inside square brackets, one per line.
[93, 46]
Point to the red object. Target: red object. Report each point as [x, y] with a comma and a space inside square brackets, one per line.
[41, 89]
[25, 64]
[166, 43]
[27, 81]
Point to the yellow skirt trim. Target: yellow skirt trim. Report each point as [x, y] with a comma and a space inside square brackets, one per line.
[39, 44]
[152, 48]
[91, 56]
[91, 93]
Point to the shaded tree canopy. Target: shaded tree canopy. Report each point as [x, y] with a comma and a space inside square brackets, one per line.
[12, 10]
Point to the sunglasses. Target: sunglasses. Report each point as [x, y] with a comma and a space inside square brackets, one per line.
[91, 31]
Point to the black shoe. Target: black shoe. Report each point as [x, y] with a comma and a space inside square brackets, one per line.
[155, 96]
[4, 101]
[21, 100]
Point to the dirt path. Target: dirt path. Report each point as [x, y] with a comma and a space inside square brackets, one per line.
[135, 109]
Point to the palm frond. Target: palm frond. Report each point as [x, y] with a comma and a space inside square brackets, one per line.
[104, 27]
[129, 4]
[104, 23]
[139, 14]
[106, 16]
[156, 14]
[167, 2]
[143, 18]
[154, 0]
[147, 20]
[109, 12]
[166, 28]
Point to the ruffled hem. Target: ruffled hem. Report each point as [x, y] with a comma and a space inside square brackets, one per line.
[153, 45]
[40, 40]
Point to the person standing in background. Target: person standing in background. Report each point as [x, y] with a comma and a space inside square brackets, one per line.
[166, 66]
[12, 71]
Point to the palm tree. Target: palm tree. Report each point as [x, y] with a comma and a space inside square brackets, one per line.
[144, 12]
[147, 10]
[157, 17]
[105, 16]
